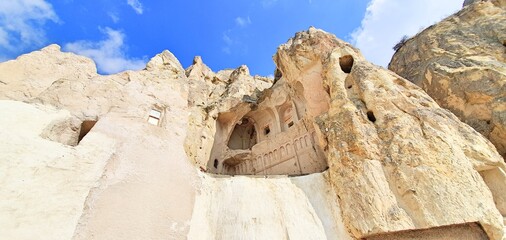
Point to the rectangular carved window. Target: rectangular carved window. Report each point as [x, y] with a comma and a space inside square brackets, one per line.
[154, 117]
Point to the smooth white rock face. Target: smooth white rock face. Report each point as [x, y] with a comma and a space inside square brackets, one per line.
[323, 199]
[147, 189]
[266, 208]
[44, 183]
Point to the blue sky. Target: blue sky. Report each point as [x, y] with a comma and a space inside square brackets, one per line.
[125, 34]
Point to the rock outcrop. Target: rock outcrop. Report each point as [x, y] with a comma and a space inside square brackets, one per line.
[343, 149]
[111, 177]
[28, 75]
[213, 93]
[461, 63]
[394, 155]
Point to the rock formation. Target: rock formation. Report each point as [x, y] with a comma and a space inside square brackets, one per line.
[461, 63]
[333, 148]
[388, 143]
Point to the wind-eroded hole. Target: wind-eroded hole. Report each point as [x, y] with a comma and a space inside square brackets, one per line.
[346, 63]
[370, 116]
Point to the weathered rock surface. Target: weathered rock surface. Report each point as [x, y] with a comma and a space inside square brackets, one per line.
[286, 208]
[128, 156]
[396, 159]
[28, 75]
[461, 63]
[114, 181]
[213, 93]
[44, 183]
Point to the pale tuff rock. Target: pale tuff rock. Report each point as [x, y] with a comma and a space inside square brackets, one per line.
[212, 93]
[29, 74]
[114, 181]
[461, 63]
[199, 71]
[397, 161]
[44, 183]
[165, 61]
[287, 208]
[131, 155]
[63, 130]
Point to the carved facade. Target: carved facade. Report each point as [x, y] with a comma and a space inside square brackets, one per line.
[127, 156]
[271, 138]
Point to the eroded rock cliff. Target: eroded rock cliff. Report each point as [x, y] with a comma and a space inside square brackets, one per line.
[461, 63]
[396, 159]
[153, 154]
[30, 74]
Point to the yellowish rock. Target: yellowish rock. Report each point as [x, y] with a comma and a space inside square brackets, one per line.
[461, 63]
[396, 159]
[332, 148]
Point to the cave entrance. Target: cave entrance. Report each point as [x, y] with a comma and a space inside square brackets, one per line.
[244, 135]
[86, 126]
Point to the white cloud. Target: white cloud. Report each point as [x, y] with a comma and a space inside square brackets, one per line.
[386, 21]
[109, 54]
[268, 3]
[136, 5]
[226, 50]
[232, 37]
[21, 24]
[4, 37]
[233, 43]
[228, 42]
[114, 16]
[227, 38]
[242, 22]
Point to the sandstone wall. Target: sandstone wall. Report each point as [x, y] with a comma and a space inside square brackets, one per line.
[461, 63]
[28, 75]
[45, 183]
[279, 134]
[146, 186]
[396, 160]
[272, 208]
[143, 188]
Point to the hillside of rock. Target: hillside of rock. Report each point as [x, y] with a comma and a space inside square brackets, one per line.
[396, 159]
[333, 148]
[461, 63]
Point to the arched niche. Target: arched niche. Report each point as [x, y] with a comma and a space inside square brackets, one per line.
[244, 135]
[266, 121]
[287, 115]
[268, 139]
[299, 100]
